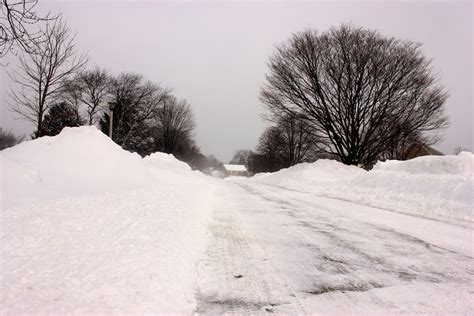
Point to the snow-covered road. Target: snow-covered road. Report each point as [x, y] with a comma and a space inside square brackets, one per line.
[281, 251]
[89, 228]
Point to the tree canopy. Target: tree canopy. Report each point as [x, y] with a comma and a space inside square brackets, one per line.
[358, 90]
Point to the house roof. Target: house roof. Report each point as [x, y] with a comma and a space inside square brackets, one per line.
[433, 151]
[230, 167]
[420, 149]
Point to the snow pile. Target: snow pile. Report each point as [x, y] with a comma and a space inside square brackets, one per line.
[87, 227]
[166, 162]
[462, 164]
[318, 175]
[77, 162]
[440, 187]
[437, 186]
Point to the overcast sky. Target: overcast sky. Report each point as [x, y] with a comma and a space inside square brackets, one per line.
[214, 54]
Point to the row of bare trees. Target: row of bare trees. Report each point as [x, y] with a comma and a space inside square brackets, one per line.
[147, 118]
[349, 92]
[53, 90]
[288, 142]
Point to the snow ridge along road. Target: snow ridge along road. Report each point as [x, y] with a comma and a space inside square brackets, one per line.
[273, 250]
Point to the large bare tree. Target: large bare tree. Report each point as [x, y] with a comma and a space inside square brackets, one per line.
[20, 25]
[356, 88]
[42, 74]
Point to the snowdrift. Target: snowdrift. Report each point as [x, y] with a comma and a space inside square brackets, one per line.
[435, 186]
[77, 162]
[440, 187]
[316, 175]
[90, 228]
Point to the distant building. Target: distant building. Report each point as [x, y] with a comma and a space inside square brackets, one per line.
[235, 170]
[420, 149]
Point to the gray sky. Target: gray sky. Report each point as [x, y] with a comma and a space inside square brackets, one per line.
[214, 54]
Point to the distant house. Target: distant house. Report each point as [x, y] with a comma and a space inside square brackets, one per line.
[419, 149]
[235, 170]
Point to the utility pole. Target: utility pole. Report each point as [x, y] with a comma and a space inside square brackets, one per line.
[111, 121]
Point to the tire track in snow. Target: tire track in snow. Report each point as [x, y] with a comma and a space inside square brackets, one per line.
[236, 275]
[345, 234]
[271, 251]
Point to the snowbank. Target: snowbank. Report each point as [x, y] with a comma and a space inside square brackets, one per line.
[166, 162]
[77, 162]
[317, 175]
[440, 187]
[87, 227]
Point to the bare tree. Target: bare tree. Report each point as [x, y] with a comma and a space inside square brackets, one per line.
[71, 93]
[399, 147]
[137, 102]
[43, 73]
[270, 143]
[356, 88]
[89, 88]
[268, 157]
[175, 123]
[241, 157]
[20, 26]
[298, 140]
[288, 143]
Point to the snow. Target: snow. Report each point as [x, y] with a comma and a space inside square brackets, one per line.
[462, 164]
[426, 299]
[230, 167]
[166, 162]
[320, 173]
[299, 253]
[77, 162]
[87, 227]
[437, 187]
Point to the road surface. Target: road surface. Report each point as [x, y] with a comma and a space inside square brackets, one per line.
[273, 250]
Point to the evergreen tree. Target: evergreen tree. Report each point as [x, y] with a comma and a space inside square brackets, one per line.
[59, 116]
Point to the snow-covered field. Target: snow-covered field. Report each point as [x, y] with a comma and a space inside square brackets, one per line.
[86, 227]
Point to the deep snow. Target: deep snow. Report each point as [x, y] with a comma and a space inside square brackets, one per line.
[298, 253]
[77, 162]
[87, 227]
[437, 187]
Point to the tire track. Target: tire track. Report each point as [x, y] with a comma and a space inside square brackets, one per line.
[236, 275]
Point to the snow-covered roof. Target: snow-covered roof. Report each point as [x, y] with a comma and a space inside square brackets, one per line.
[230, 167]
